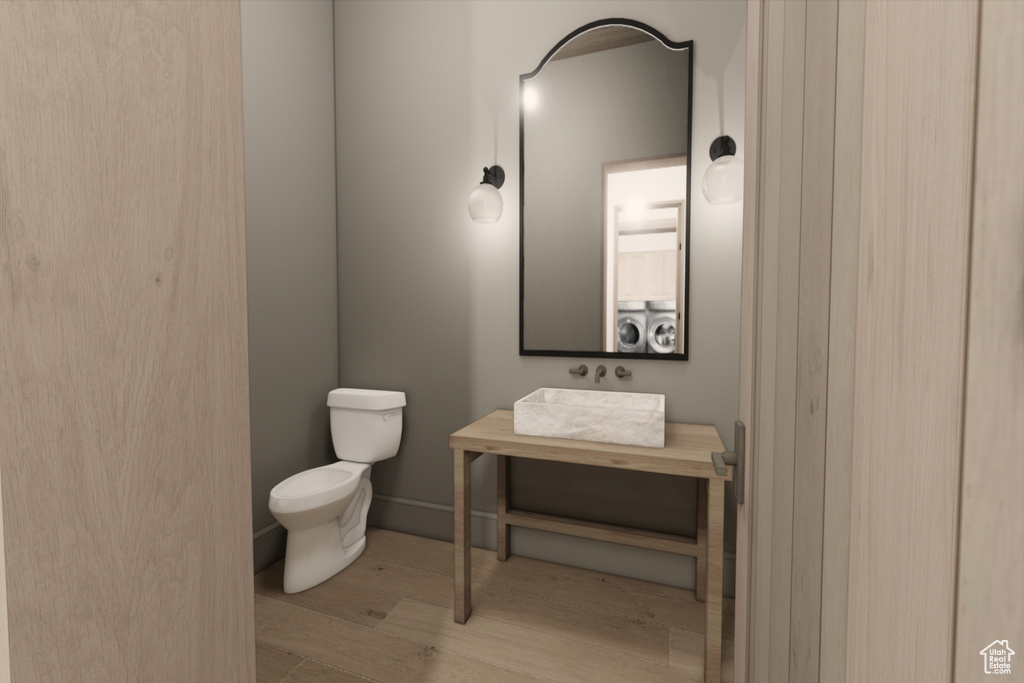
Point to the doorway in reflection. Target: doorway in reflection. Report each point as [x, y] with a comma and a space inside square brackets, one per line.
[644, 255]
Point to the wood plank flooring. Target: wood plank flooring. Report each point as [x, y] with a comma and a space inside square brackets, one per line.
[389, 618]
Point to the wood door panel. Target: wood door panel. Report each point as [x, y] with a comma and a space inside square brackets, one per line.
[124, 420]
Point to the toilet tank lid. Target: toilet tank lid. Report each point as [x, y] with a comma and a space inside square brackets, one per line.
[365, 399]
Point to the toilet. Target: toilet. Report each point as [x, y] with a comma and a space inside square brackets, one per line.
[324, 509]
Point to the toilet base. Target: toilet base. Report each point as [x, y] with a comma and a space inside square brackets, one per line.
[314, 555]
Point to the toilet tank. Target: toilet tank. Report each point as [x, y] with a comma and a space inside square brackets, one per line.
[366, 424]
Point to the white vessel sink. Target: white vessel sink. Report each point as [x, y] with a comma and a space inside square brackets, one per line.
[605, 416]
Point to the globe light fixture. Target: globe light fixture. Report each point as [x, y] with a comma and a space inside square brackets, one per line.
[485, 201]
[723, 181]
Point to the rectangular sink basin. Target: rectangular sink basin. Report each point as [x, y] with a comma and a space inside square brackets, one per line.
[605, 416]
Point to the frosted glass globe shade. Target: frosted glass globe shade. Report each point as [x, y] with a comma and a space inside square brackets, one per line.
[723, 181]
[485, 203]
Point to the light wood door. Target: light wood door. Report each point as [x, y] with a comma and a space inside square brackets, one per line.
[124, 409]
[855, 281]
[990, 577]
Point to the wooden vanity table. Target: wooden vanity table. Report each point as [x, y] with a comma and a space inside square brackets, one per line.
[687, 453]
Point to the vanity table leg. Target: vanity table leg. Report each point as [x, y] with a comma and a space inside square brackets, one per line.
[713, 596]
[504, 490]
[463, 535]
[702, 539]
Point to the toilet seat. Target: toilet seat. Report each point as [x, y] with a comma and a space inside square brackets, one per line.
[317, 487]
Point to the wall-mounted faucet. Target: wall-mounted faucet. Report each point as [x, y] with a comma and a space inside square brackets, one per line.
[581, 371]
[599, 373]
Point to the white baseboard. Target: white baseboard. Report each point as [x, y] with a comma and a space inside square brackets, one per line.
[435, 521]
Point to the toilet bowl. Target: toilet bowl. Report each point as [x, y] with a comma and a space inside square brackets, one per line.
[324, 509]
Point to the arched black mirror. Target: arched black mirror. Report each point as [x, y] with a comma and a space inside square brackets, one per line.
[604, 148]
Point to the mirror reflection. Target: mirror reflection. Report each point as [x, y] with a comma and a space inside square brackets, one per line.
[604, 149]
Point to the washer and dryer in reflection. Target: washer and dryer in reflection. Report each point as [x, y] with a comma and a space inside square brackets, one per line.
[632, 328]
[661, 326]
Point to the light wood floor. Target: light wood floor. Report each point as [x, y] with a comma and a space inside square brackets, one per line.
[388, 617]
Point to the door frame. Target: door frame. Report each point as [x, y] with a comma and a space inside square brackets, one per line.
[744, 590]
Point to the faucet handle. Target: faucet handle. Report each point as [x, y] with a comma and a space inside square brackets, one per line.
[622, 372]
[581, 371]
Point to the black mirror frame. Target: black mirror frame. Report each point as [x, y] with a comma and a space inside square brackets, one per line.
[523, 78]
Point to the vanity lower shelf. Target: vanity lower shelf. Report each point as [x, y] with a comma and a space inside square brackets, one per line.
[687, 453]
[639, 538]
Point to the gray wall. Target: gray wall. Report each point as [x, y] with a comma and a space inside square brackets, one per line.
[428, 300]
[291, 226]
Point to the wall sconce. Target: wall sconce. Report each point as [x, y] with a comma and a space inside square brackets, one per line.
[723, 181]
[485, 201]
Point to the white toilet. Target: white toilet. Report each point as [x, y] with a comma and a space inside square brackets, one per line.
[324, 509]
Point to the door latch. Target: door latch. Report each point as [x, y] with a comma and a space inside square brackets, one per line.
[736, 458]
